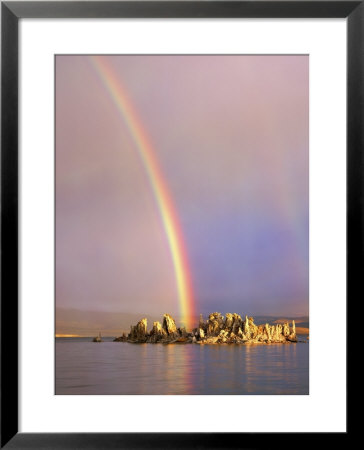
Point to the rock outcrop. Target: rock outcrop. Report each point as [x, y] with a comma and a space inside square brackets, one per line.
[215, 323]
[169, 326]
[122, 338]
[292, 336]
[157, 333]
[138, 333]
[235, 330]
[217, 329]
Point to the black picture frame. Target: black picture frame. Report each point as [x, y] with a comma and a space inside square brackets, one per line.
[11, 13]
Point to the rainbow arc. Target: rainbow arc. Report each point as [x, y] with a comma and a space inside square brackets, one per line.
[167, 211]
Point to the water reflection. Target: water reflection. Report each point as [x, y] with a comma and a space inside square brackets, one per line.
[120, 368]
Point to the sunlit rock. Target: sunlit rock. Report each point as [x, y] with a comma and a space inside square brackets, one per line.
[157, 333]
[215, 323]
[211, 340]
[246, 327]
[229, 320]
[218, 329]
[292, 337]
[169, 326]
[253, 328]
[286, 331]
[267, 331]
[138, 333]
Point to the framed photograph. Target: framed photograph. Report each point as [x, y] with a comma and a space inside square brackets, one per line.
[181, 194]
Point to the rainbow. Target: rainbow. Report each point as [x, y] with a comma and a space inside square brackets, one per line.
[157, 182]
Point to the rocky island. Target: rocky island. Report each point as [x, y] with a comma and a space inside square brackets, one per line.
[217, 329]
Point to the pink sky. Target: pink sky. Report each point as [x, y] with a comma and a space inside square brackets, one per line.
[231, 137]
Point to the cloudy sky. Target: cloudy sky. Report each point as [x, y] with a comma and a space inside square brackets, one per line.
[230, 134]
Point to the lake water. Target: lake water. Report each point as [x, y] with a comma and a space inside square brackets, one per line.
[110, 368]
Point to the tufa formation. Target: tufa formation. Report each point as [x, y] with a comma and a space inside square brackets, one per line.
[217, 329]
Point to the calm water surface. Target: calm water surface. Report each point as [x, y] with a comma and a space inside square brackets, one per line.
[84, 367]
